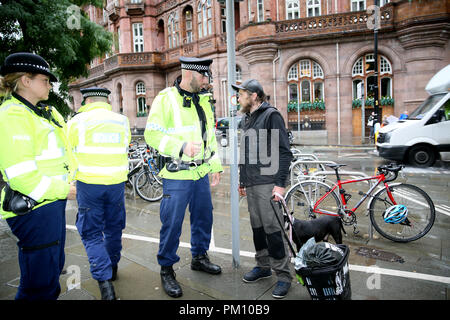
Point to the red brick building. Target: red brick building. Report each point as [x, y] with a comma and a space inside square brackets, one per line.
[313, 57]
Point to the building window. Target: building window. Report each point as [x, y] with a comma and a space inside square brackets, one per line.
[138, 37]
[238, 74]
[358, 5]
[293, 74]
[223, 18]
[358, 67]
[292, 9]
[305, 82]
[383, 2]
[188, 26]
[313, 8]
[140, 99]
[260, 10]
[363, 74]
[136, 1]
[385, 66]
[204, 18]
[306, 105]
[173, 34]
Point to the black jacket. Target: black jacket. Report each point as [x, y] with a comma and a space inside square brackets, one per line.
[263, 161]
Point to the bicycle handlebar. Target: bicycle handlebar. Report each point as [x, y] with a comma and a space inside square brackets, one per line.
[390, 168]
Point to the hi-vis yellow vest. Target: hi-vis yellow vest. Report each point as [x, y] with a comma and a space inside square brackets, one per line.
[170, 125]
[34, 154]
[100, 139]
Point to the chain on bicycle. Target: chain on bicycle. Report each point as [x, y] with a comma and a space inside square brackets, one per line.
[348, 218]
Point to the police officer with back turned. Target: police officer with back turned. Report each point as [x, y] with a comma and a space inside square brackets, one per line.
[100, 139]
[181, 126]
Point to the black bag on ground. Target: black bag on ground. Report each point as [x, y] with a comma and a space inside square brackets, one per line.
[322, 254]
[330, 282]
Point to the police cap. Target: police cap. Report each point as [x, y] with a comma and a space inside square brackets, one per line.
[196, 64]
[26, 62]
[94, 92]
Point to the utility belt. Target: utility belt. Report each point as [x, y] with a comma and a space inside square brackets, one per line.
[17, 202]
[178, 165]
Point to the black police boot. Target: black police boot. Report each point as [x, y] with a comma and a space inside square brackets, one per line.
[114, 273]
[202, 263]
[107, 290]
[170, 285]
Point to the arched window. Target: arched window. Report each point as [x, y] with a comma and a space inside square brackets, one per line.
[364, 71]
[173, 34]
[204, 18]
[188, 37]
[292, 9]
[306, 96]
[140, 99]
[305, 82]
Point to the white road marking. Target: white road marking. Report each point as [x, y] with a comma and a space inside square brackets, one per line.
[372, 269]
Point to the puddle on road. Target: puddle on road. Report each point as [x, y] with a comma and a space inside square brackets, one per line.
[379, 255]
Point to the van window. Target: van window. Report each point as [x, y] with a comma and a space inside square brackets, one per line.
[446, 111]
[426, 106]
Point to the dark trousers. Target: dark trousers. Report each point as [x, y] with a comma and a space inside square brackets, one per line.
[270, 245]
[42, 235]
[178, 194]
[100, 221]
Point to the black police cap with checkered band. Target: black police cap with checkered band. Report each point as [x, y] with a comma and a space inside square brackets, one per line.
[26, 62]
[94, 92]
[196, 64]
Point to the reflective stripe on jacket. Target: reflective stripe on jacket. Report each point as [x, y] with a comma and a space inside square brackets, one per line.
[34, 157]
[170, 125]
[100, 139]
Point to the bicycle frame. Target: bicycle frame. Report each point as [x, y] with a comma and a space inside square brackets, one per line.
[381, 178]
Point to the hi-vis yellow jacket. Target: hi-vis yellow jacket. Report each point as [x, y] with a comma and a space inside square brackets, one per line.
[170, 125]
[34, 154]
[100, 139]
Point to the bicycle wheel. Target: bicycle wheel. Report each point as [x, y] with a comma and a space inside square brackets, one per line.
[420, 218]
[302, 197]
[148, 187]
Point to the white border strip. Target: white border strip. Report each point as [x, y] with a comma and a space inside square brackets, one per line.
[372, 269]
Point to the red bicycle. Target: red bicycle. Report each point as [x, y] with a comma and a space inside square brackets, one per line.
[398, 211]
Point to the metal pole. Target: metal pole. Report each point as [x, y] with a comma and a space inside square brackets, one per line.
[235, 239]
[363, 114]
[375, 56]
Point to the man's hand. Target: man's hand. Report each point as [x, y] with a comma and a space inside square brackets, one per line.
[72, 192]
[215, 179]
[192, 148]
[277, 192]
[242, 191]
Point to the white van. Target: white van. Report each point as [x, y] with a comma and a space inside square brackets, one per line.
[425, 135]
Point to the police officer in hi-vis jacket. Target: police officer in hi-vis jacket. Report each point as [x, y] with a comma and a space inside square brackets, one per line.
[100, 138]
[36, 164]
[181, 126]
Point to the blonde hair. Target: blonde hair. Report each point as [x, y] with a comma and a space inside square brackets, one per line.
[9, 83]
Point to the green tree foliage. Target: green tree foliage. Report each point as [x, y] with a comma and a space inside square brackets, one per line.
[57, 30]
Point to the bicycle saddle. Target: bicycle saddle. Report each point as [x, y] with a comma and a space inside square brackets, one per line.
[335, 166]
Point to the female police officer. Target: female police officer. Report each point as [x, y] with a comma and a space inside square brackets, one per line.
[35, 164]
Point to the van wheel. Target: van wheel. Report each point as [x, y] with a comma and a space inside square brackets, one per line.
[422, 156]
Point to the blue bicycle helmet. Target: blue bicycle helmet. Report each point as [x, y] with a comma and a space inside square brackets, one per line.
[395, 214]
